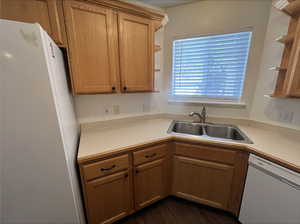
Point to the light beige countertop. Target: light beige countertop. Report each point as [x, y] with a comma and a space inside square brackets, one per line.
[101, 139]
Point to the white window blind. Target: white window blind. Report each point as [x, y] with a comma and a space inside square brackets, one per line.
[211, 66]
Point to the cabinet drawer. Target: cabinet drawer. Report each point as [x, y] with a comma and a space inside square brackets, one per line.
[150, 154]
[206, 153]
[105, 167]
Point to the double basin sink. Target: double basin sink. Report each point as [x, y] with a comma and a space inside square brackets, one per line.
[221, 132]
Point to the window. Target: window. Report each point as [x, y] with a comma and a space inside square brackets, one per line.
[211, 67]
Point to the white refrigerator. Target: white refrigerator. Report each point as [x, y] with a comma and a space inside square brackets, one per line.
[39, 132]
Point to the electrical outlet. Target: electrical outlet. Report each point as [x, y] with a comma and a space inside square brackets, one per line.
[116, 109]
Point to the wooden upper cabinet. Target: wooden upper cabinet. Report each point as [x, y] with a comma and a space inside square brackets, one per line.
[108, 198]
[91, 31]
[136, 39]
[48, 13]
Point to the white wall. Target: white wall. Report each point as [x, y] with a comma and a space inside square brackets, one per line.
[2, 128]
[218, 16]
[91, 108]
[284, 112]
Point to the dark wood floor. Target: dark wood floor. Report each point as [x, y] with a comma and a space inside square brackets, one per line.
[177, 211]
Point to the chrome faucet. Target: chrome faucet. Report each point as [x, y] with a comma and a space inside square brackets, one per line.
[202, 117]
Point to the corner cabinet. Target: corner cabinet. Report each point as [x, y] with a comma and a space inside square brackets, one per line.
[48, 13]
[209, 175]
[202, 181]
[111, 47]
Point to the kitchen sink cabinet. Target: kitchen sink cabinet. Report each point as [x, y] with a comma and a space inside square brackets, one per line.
[209, 175]
[202, 181]
[48, 13]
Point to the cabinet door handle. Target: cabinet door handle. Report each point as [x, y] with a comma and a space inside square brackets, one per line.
[136, 171]
[126, 175]
[125, 88]
[107, 169]
[150, 156]
[113, 88]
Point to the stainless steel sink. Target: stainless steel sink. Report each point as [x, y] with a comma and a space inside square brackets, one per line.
[210, 131]
[187, 128]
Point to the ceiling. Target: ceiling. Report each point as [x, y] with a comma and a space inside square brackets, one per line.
[171, 3]
[166, 3]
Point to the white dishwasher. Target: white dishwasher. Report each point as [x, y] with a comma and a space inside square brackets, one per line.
[272, 194]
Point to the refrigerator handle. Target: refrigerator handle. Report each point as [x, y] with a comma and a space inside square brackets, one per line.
[52, 50]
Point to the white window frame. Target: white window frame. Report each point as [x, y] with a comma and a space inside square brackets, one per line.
[204, 100]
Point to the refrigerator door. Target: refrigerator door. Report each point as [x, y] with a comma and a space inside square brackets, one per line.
[36, 172]
[69, 127]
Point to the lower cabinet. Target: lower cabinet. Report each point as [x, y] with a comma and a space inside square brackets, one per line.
[116, 187]
[202, 181]
[210, 175]
[109, 198]
[150, 183]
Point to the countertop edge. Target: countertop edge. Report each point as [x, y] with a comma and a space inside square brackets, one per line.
[236, 146]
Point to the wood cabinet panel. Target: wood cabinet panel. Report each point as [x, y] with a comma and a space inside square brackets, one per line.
[92, 47]
[48, 13]
[105, 167]
[109, 198]
[206, 153]
[150, 154]
[238, 183]
[150, 183]
[202, 181]
[136, 39]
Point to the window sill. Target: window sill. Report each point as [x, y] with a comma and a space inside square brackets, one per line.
[211, 102]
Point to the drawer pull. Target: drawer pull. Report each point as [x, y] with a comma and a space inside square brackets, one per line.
[150, 156]
[107, 169]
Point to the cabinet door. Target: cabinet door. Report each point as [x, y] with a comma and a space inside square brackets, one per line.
[150, 183]
[48, 13]
[202, 181]
[91, 32]
[108, 198]
[136, 38]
